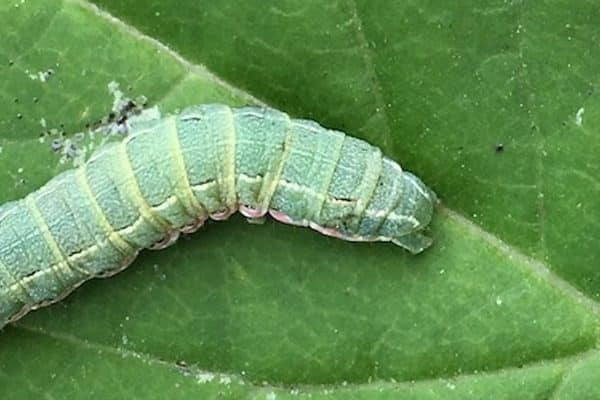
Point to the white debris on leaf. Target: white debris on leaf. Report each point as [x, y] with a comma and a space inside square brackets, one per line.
[579, 116]
[205, 377]
[69, 148]
[124, 115]
[225, 380]
[271, 396]
[114, 89]
[42, 76]
[127, 112]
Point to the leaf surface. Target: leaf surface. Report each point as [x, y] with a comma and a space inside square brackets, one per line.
[494, 106]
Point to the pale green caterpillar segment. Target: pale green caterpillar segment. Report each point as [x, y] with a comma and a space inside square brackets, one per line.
[334, 183]
[303, 187]
[109, 178]
[263, 141]
[50, 242]
[171, 174]
[207, 135]
[352, 183]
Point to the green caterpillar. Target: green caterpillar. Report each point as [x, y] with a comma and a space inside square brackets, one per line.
[171, 174]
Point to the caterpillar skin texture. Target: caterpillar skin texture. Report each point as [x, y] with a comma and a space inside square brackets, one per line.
[171, 174]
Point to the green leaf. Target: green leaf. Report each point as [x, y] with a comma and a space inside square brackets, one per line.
[493, 104]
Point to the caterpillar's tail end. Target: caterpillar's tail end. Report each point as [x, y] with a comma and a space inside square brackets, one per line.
[413, 242]
[421, 209]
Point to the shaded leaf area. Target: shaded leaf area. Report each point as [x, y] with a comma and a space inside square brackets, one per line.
[440, 87]
[101, 373]
[274, 311]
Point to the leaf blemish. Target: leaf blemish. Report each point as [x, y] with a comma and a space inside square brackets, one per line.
[42, 76]
[77, 147]
[579, 116]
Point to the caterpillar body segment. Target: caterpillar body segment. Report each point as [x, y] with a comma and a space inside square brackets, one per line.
[171, 174]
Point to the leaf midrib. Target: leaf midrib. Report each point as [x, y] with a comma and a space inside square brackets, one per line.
[569, 361]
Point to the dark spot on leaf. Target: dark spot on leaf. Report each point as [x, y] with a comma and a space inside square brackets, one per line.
[499, 148]
[130, 105]
[71, 151]
[56, 145]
